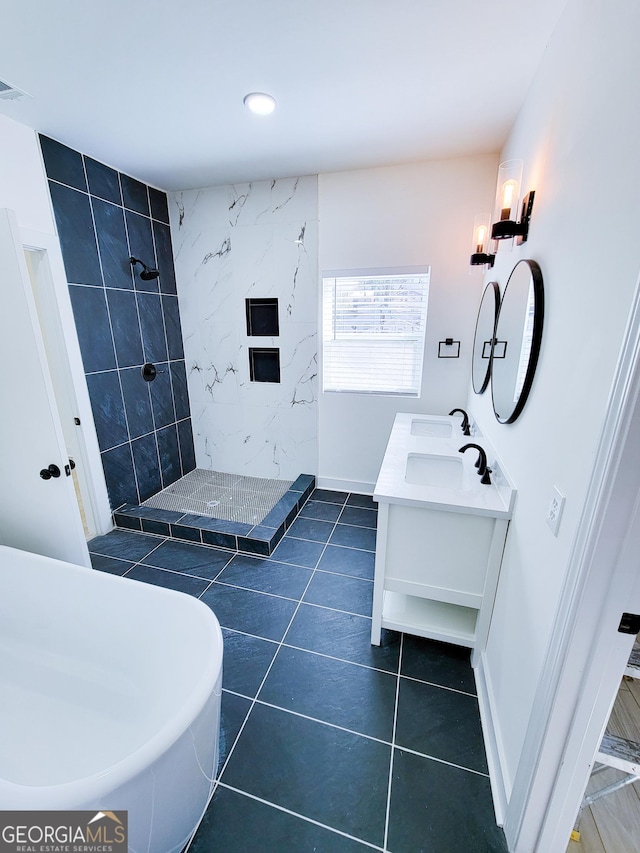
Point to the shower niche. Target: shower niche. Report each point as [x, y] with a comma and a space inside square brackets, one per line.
[262, 321]
[262, 317]
[264, 364]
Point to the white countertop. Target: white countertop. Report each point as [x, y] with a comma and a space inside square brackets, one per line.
[472, 497]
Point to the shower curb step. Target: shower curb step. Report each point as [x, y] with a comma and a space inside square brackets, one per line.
[257, 539]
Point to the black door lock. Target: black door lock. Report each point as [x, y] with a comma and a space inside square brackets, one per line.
[51, 471]
[629, 624]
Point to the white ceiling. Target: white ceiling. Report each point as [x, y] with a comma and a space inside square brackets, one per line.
[155, 87]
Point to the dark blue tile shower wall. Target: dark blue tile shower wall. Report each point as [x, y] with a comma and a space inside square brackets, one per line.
[103, 217]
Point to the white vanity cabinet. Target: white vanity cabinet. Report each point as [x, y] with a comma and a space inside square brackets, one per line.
[441, 534]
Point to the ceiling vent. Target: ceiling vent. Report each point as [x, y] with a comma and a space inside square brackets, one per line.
[10, 93]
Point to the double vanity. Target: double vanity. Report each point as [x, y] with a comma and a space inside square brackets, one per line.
[441, 533]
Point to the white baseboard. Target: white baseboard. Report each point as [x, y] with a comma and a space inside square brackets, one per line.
[498, 773]
[345, 485]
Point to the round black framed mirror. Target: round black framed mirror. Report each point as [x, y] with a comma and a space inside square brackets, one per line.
[517, 341]
[483, 339]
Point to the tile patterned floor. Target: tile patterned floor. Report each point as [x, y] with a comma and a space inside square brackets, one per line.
[327, 743]
[260, 536]
[214, 494]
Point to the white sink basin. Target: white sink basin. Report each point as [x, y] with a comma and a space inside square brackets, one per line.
[424, 469]
[435, 429]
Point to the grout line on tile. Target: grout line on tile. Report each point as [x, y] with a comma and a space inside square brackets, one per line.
[111, 557]
[301, 817]
[442, 761]
[208, 581]
[189, 574]
[303, 539]
[311, 651]
[340, 660]
[363, 526]
[135, 533]
[341, 574]
[259, 591]
[335, 609]
[273, 559]
[339, 728]
[331, 503]
[140, 562]
[344, 575]
[128, 559]
[353, 547]
[307, 603]
[393, 743]
[343, 660]
[326, 542]
[164, 569]
[435, 684]
[253, 636]
[240, 695]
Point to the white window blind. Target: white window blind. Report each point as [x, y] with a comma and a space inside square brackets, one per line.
[373, 332]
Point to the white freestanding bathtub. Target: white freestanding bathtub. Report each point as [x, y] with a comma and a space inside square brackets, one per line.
[109, 698]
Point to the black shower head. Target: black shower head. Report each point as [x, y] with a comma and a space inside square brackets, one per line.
[146, 274]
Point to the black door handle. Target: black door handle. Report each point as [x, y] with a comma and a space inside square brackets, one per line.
[51, 471]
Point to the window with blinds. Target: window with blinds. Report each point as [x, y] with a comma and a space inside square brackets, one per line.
[373, 332]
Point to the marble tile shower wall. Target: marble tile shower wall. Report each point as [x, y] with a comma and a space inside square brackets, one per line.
[103, 217]
[257, 240]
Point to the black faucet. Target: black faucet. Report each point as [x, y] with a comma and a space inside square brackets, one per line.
[481, 464]
[465, 420]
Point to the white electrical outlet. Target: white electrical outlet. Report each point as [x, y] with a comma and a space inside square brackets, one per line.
[554, 513]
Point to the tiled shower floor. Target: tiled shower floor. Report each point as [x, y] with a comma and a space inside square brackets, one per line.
[215, 494]
[327, 743]
[259, 533]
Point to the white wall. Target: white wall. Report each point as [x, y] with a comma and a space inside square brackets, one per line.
[579, 135]
[23, 185]
[393, 217]
[231, 243]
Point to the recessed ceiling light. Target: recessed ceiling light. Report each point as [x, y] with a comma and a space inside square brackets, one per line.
[259, 103]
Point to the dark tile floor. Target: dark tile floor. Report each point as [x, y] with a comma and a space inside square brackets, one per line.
[327, 743]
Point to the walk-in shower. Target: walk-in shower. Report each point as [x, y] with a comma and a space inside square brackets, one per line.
[244, 513]
[214, 494]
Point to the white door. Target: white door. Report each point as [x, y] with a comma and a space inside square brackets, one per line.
[38, 506]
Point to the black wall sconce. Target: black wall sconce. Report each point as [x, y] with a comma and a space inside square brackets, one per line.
[481, 240]
[147, 273]
[506, 224]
